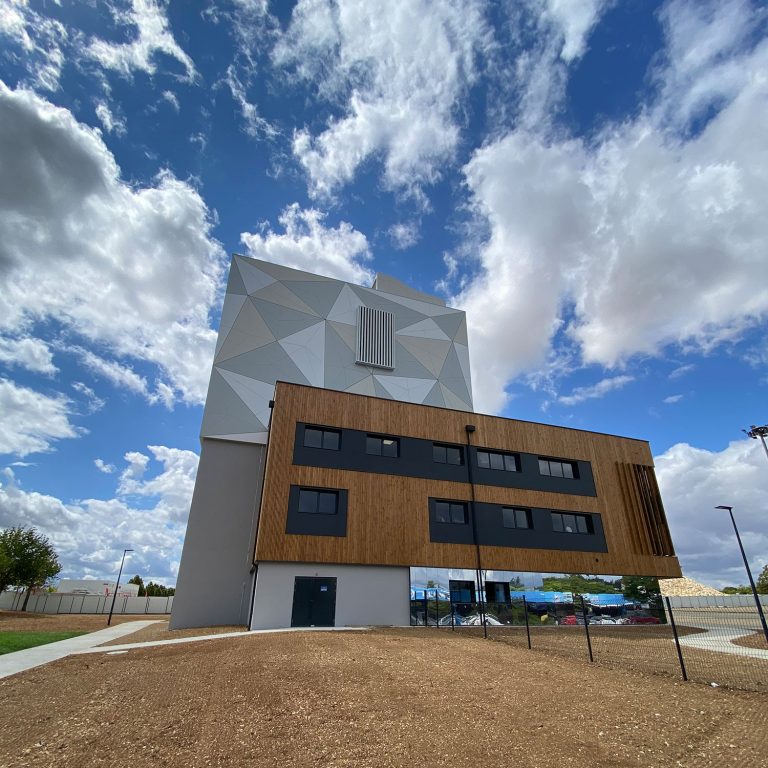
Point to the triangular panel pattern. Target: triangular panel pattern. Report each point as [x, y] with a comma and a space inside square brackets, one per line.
[255, 394]
[235, 284]
[347, 333]
[405, 388]
[341, 371]
[366, 386]
[288, 274]
[278, 293]
[451, 401]
[253, 278]
[307, 349]
[269, 364]
[423, 307]
[225, 412]
[283, 321]
[450, 323]
[462, 353]
[248, 333]
[345, 307]
[435, 396]
[403, 316]
[407, 365]
[319, 296]
[453, 377]
[425, 329]
[233, 303]
[431, 353]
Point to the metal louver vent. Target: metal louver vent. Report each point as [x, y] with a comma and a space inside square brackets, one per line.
[375, 338]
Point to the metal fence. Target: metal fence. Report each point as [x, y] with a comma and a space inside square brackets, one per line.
[52, 602]
[696, 639]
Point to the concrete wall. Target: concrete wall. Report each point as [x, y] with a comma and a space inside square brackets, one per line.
[365, 595]
[215, 580]
[53, 602]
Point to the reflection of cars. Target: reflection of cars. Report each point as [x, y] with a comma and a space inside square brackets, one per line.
[643, 620]
[601, 620]
[475, 621]
[446, 620]
[571, 621]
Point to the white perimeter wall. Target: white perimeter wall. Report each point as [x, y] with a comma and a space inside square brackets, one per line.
[365, 594]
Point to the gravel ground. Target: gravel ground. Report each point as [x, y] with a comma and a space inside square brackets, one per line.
[160, 631]
[16, 621]
[384, 698]
[752, 641]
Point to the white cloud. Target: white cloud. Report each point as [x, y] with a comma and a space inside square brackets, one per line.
[95, 403]
[672, 399]
[575, 20]
[122, 376]
[152, 36]
[102, 466]
[90, 535]
[255, 125]
[111, 123]
[694, 481]
[682, 370]
[70, 228]
[32, 422]
[595, 391]
[171, 98]
[398, 69]
[404, 235]
[42, 42]
[307, 244]
[641, 238]
[30, 353]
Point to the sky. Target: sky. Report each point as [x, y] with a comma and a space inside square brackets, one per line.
[586, 178]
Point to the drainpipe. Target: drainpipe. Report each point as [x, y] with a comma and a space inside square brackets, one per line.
[470, 428]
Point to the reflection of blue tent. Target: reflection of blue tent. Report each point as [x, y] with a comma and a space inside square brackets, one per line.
[538, 596]
[605, 600]
[429, 593]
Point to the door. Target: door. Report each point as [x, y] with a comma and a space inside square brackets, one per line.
[314, 602]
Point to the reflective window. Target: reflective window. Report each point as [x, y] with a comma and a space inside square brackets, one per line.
[513, 517]
[556, 468]
[315, 502]
[318, 437]
[566, 522]
[507, 462]
[450, 512]
[446, 454]
[382, 446]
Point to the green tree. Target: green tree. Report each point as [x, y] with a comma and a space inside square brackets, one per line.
[138, 580]
[641, 589]
[31, 560]
[578, 584]
[742, 589]
[5, 568]
[158, 590]
[762, 582]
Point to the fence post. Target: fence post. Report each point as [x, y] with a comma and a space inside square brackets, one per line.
[677, 640]
[527, 627]
[586, 626]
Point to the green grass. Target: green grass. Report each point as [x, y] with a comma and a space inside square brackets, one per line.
[18, 641]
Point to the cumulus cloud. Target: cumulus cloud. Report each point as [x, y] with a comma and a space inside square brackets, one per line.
[652, 234]
[307, 244]
[575, 20]
[404, 235]
[398, 71]
[152, 37]
[148, 515]
[694, 481]
[30, 353]
[102, 466]
[133, 268]
[595, 391]
[32, 422]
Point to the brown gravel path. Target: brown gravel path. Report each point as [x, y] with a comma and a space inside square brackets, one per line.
[388, 698]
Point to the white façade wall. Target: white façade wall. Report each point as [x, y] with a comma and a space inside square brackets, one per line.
[365, 595]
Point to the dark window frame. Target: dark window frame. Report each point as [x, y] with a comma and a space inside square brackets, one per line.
[453, 508]
[517, 514]
[327, 434]
[578, 517]
[382, 439]
[506, 457]
[447, 450]
[553, 465]
[320, 494]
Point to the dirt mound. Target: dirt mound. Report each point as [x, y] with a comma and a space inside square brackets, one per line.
[684, 587]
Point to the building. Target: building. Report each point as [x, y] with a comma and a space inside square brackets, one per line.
[387, 341]
[322, 482]
[95, 587]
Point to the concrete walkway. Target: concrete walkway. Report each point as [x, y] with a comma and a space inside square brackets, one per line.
[719, 639]
[19, 661]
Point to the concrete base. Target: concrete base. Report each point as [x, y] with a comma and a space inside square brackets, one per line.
[215, 579]
[366, 595]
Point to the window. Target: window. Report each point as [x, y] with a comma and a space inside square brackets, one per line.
[556, 468]
[508, 462]
[512, 517]
[314, 502]
[462, 591]
[319, 437]
[447, 454]
[382, 446]
[565, 522]
[451, 512]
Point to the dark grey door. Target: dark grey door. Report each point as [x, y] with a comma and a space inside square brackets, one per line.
[314, 602]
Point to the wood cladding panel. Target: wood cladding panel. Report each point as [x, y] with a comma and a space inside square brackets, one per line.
[388, 516]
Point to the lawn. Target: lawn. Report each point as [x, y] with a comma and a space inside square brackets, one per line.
[18, 641]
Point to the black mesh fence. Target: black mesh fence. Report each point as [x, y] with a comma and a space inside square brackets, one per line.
[697, 639]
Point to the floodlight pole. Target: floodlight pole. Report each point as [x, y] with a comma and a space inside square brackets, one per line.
[117, 586]
[749, 573]
[755, 432]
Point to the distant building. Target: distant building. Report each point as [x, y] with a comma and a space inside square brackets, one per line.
[339, 448]
[95, 587]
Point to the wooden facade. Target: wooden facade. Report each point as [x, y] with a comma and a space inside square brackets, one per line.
[388, 518]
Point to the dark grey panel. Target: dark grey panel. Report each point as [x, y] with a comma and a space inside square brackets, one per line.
[316, 524]
[321, 296]
[415, 460]
[235, 283]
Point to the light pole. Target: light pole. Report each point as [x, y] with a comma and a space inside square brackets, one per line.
[755, 432]
[117, 586]
[749, 573]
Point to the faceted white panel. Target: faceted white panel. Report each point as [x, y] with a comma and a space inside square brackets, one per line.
[253, 278]
[307, 349]
[278, 293]
[431, 353]
[255, 394]
[425, 329]
[249, 332]
[233, 303]
[365, 387]
[404, 388]
[344, 309]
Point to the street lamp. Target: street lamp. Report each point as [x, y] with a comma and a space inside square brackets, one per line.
[117, 586]
[755, 432]
[749, 573]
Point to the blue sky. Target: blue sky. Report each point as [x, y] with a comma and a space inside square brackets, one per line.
[585, 178]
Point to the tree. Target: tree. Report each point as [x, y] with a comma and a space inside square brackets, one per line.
[742, 589]
[158, 590]
[762, 582]
[30, 559]
[138, 580]
[641, 589]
